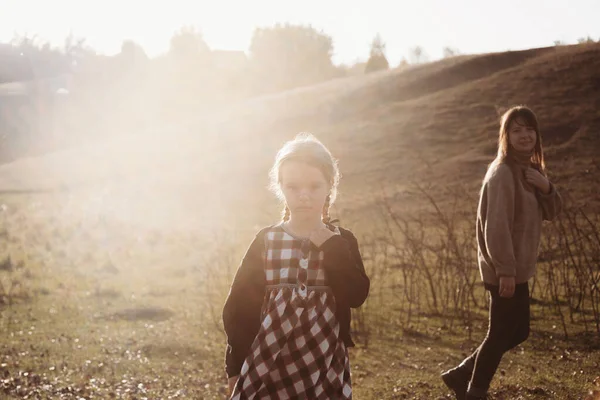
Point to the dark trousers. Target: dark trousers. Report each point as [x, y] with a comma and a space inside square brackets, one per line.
[508, 327]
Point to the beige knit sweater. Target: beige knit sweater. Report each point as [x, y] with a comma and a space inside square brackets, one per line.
[509, 223]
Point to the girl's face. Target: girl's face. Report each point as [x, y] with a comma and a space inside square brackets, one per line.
[521, 137]
[305, 189]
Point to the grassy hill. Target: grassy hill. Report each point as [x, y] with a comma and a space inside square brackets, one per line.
[434, 123]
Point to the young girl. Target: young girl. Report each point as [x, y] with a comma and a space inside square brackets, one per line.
[515, 197]
[287, 315]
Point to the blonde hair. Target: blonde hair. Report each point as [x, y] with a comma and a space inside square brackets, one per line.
[307, 149]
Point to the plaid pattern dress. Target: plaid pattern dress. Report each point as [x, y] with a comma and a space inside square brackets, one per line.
[298, 352]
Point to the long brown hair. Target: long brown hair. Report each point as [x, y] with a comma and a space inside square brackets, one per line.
[521, 115]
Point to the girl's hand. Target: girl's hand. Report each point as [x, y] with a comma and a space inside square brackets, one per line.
[535, 178]
[232, 381]
[507, 286]
[319, 236]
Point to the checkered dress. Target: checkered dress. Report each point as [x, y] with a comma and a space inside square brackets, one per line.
[298, 352]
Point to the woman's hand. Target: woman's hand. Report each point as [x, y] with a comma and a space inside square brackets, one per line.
[535, 178]
[507, 286]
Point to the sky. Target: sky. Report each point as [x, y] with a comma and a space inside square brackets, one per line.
[470, 26]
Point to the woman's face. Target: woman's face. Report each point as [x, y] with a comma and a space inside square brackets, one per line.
[521, 137]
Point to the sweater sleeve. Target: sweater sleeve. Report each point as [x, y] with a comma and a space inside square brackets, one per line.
[551, 203]
[345, 269]
[500, 193]
[241, 312]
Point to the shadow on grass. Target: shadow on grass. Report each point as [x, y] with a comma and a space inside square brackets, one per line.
[175, 351]
[143, 314]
